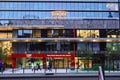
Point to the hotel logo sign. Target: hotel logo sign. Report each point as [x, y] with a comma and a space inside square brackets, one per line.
[29, 55]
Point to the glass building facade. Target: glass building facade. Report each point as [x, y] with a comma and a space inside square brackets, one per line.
[57, 30]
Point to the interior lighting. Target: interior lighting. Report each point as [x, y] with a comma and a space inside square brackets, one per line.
[39, 40]
[108, 40]
[14, 40]
[94, 40]
[81, 40]
[27, 40]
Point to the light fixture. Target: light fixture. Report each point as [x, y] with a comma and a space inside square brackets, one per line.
[14, 40]
[81, 40]
[56, 40]
[27, 40]
[94, 40]
[39, 40]
[108, 40]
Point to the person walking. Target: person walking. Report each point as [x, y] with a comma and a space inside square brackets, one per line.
[38, 65]
[1, 65]
[32, 65]
[50, 65]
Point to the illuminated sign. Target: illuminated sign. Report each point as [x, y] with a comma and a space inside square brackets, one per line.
[58, 55]
[29, 55]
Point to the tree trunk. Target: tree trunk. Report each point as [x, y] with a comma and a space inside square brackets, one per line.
[113, 64]
[109, 64]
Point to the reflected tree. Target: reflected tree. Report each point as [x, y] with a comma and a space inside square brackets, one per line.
[112, 53]
[84, 54]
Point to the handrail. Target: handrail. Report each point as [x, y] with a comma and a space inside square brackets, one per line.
[100, 74]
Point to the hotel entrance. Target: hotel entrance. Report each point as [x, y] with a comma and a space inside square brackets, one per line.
[60, 63]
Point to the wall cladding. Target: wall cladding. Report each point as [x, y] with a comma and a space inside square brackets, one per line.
[70, 23]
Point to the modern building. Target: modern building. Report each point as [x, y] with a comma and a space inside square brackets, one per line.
[58, 30]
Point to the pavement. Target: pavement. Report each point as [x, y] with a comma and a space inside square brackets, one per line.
[54, 72]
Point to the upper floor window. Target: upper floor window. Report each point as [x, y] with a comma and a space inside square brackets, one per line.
[24, 33]
[87, 33]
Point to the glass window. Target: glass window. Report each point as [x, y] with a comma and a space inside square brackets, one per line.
[88, 33]
[90, 46]
[112, 33]
[60, 6]
[20, 33]
[25, 33]
[36, 33]
[5, 34]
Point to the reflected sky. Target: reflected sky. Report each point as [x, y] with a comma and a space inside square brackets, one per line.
[54, 6]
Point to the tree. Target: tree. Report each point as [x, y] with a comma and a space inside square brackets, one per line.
[84, 54]
[0, 53]
[3, 55]
[112, 53]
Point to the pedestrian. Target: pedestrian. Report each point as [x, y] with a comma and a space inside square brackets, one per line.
[32, 65]
[1, 65]
[47, 65]
[80, 66]
[21, 65]
[50, 65]
[38, 66]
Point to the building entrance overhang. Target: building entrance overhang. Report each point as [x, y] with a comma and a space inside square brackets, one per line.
[42, 55]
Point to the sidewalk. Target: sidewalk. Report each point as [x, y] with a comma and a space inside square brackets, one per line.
[56, 71]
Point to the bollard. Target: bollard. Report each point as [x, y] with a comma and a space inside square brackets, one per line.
[44, 71]
[2, 70]
[66, 69]
[34, 71]
[77, 70]
[13, 70]
[55, 70]
[23, 70]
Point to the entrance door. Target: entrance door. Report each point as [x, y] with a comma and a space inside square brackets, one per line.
[58, 63]
[61, 63]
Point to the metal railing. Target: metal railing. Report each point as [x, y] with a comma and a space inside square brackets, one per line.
[52, 70]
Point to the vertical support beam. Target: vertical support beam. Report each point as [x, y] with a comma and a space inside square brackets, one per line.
[44, 63]
[74, 49]
[74, 32]
[73, 60]
[14, 62]
[74, 46]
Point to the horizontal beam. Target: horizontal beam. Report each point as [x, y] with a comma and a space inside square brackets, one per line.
[59, 0]
[61, 39]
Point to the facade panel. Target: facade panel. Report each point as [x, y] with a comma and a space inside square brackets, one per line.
[64, 31]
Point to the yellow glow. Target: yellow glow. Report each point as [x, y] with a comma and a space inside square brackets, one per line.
[81, 40]
[94, 40]
[68, 52]
[26, 40]
[56, 40]
[108, 40]
[14, 40]
[39, 40]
